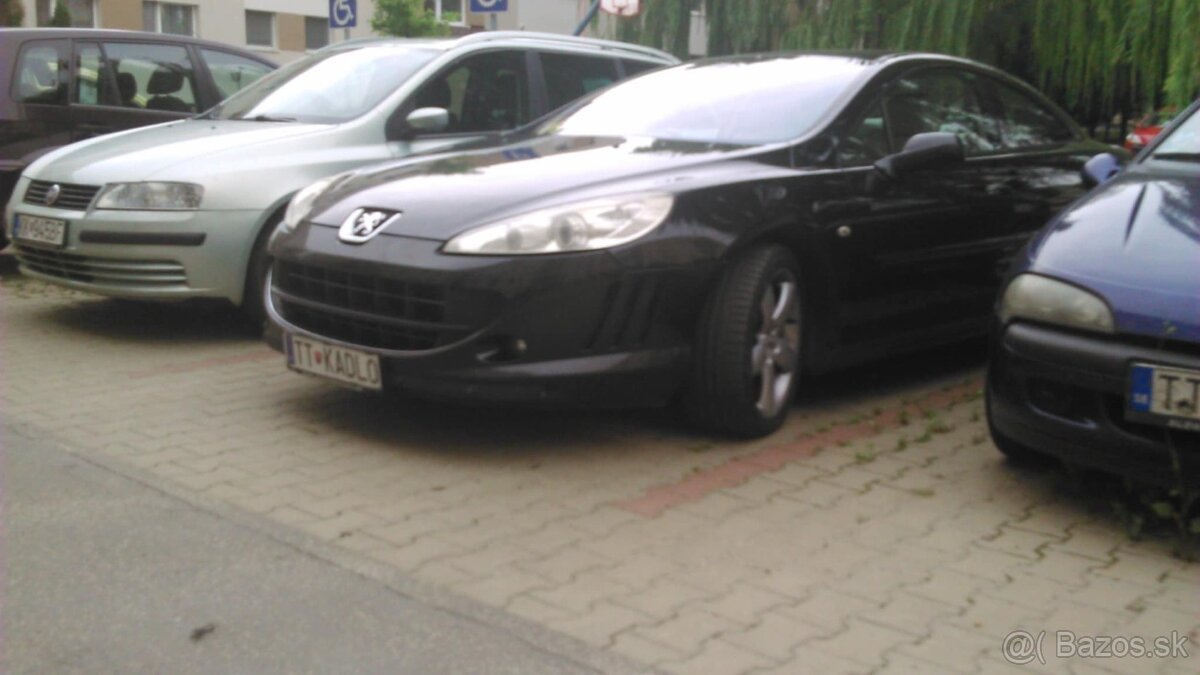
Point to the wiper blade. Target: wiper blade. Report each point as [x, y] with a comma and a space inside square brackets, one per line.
[1178, 156]
[269, 118]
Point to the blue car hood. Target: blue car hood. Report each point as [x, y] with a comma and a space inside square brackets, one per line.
[1136, 242]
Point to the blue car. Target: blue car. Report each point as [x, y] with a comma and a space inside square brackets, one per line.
[1096, 348]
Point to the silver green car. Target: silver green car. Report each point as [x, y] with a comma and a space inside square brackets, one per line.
[184, 209]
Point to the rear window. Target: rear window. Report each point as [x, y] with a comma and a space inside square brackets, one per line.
[41, 73]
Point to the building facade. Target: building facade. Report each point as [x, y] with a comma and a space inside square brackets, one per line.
[285, 30]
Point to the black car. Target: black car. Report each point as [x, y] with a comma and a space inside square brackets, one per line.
[1096, 351]
[59, 86]
[715, 230]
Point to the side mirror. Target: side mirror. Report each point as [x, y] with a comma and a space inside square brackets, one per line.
[923, 151]
[1100, 169]
[419, 121]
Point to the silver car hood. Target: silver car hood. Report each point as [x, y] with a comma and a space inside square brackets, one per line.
[142, 154]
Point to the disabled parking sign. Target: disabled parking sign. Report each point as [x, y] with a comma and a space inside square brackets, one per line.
[485, 6]
[343, 13]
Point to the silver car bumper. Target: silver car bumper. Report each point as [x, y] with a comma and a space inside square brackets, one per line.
[153, 255]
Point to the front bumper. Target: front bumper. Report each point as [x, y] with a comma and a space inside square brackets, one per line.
[579, 329]
[158, 255]
[1064, 394]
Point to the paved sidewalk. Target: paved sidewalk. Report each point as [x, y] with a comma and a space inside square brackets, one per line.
[107, 575]
[879, 531]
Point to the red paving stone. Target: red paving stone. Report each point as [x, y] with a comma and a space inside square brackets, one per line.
[738, 470]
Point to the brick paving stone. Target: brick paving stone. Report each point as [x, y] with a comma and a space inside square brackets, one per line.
[902, 554]
[718, 657]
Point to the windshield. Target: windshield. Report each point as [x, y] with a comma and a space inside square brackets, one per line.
[1184, 141]
[326, 88]
[731, 102]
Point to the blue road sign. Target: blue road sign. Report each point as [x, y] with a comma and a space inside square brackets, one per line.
[343, 13]
[485, 6]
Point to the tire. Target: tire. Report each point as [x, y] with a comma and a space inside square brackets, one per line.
[253, 304]
[746, 358]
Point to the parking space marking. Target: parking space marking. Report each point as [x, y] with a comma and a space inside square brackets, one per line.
[738, 470]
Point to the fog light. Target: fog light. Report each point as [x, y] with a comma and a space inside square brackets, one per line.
[502, 348]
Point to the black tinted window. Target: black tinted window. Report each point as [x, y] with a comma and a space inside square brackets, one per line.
[485, 92]
[570, 76]
[634, 67]
[1028, 123]
[940, 100]
[41, 74]
[867, 140]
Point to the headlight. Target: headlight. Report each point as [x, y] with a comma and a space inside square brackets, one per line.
[585, 226]
[302, 202]
[151, 197]
[1039, 298]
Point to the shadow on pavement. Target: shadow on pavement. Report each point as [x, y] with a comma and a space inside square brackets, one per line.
[183, 322]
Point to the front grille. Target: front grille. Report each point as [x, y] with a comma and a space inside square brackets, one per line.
[375, 311]
[107, 271]
[75, 197]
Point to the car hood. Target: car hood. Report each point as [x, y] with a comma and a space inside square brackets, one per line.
[1136, 241]
[140, 154]
[446, 194]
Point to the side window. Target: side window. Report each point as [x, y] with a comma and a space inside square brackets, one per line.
[940, 100]
[1027, 123]
[867, 140]
[153, 77]
[41, 75]
[485, 92]
[570, 76]
[635, 67]
[231, 73]
[91, 76]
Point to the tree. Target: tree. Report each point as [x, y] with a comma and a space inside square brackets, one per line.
[11, 13]
[61, 17]
[1096, 58]
[406, 18]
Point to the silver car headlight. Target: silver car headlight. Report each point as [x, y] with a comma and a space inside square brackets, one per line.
[584, 226]
[151, 197]
[1038, 298]
[303, 201]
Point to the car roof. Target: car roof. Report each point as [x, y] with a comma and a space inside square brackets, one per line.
[527, 38]
[868, 58]
[112, 34]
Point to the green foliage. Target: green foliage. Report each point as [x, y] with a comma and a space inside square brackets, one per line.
[61, 17]
[1095, 57]
[406, 18]
[11, 13]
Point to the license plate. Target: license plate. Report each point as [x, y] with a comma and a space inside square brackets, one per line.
[348, 366]
[1165, 395]
[46, 231]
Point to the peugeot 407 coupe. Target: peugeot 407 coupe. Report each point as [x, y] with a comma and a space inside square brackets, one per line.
[714, 231]
[1096, 352]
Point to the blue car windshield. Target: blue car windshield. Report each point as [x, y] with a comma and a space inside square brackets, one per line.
[739, 102]
[1183, 144]
[327, 87]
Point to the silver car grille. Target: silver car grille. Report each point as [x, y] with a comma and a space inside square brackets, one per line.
[74, 197]
[107, 271]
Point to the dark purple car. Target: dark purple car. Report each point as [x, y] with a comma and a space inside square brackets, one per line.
[1096, 355]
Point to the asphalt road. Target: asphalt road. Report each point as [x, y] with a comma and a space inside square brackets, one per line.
[108, 575]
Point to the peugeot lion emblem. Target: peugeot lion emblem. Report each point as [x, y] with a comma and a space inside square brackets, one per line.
[366, 223]
[52, 194]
